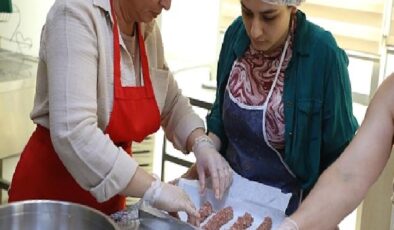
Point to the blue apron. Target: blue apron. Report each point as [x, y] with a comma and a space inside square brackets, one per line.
[249, 152]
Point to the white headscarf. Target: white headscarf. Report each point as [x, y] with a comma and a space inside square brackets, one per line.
[284, 2]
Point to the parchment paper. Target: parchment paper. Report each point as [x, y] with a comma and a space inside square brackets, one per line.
[244, 196]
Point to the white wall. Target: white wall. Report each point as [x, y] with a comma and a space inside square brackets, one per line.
[32, 17]
[190, 32]
[190, 29]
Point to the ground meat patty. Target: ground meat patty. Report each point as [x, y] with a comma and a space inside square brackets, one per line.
[266, 225]
[205, 211]
[219, 219]
[243, 222]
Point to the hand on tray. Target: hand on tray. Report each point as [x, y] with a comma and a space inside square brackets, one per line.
[221, 179]
[172, 199]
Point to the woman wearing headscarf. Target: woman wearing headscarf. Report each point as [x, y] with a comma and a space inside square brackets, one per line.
[283, 108]
[102, 84]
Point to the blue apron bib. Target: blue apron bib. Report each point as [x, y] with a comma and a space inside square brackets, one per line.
[249, 152]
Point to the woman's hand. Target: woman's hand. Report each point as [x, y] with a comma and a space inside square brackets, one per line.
[172, 199]
[209, 162]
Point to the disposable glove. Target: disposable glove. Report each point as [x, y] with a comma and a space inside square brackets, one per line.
[170, 198]
[209, 162]
[288, 224]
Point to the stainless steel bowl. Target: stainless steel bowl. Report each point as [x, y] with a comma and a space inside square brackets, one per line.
[45, 215]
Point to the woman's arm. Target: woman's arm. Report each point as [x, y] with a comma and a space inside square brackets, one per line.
[344, 184]
[71, 57]
[209, 162]
[185, 129]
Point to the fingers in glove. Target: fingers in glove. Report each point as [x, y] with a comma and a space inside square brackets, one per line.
[222, 181]
[215, 181]
[201, 178]
[193, 220]
[229, 177]
[192, 214]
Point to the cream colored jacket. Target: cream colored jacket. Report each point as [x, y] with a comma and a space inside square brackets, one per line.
[74, 94]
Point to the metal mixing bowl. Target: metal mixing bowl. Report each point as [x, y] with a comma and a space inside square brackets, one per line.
[50, 215]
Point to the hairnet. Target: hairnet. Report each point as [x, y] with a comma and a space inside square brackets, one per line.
[284, 2]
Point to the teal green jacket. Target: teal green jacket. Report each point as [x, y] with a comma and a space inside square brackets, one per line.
[317, 99]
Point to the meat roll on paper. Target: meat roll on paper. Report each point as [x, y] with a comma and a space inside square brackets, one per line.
[243, 196]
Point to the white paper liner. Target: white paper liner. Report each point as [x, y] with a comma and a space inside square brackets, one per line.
[243, 196]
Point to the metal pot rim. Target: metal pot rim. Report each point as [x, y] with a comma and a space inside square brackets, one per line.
[61, 203]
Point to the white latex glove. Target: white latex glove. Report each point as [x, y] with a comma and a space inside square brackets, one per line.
[288, 224]
[210, 162]
[170, 198]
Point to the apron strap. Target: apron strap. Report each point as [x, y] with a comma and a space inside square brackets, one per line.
[117, 58]
[117, 72]
[144, 62]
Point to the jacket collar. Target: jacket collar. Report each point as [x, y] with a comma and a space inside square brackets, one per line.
[146, 28]
[302, 35]
[242, 40]
[105, 6]
[301, 44]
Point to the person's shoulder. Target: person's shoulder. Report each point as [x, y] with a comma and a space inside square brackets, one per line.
[388, 88]
[237, 22]
[315, 36]
[77, 7]
[74, 4]
[235, 26]
[84, 10]
[321, 36]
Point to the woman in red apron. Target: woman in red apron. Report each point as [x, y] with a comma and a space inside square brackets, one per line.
[40, 173]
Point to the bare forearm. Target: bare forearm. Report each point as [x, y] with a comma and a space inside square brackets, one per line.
[344, 184]
[334, 197]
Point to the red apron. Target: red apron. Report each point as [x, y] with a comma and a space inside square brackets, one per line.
[40, 174]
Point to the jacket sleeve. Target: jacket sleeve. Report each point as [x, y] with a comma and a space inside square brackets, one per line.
[214, 118]
[339, 124]
[178, 118]
[71, 56]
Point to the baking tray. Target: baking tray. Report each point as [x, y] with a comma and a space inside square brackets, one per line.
[244, 195]
[144, 217]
